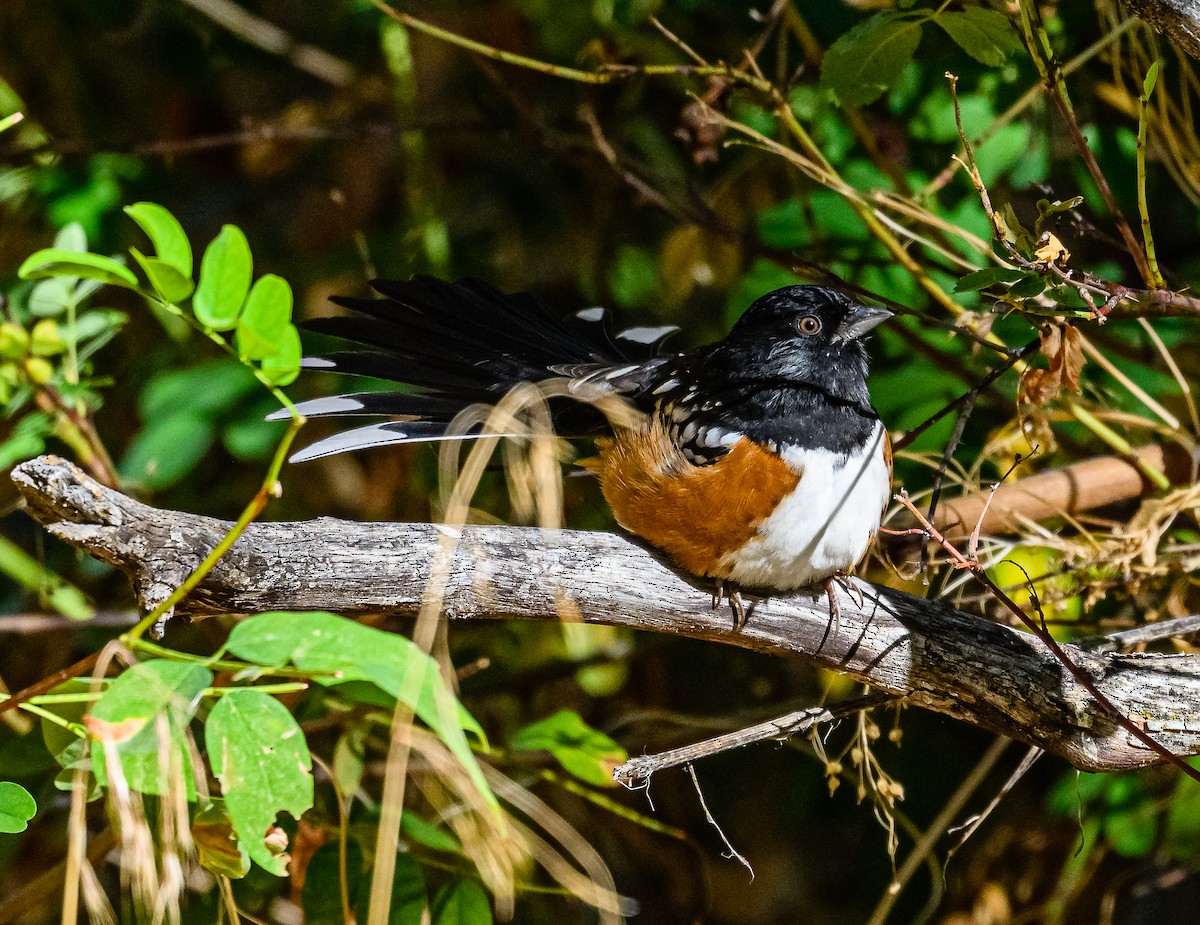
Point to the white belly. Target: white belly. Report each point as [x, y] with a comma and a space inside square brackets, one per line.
[824, 526]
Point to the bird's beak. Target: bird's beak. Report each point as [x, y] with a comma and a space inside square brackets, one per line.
[859, 321]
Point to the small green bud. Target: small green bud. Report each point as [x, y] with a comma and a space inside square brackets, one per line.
[14, 341]
[46, 339]
[39, 370]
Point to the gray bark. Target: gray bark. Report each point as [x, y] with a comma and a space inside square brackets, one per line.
[1178, 20]
[934, 656]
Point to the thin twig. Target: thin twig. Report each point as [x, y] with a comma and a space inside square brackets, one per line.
[1037, 43]
[638, 770]
[903, 440]
[972, 825]
[733, 852]
[264, 34]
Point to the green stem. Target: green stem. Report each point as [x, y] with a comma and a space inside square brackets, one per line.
[285, 688]
[1118, 443]
[219, 664]
[606, 74]
[32, 574]
[496, 54]
[268, 490]
[1143, 210]
[217, 339]
[29, 707]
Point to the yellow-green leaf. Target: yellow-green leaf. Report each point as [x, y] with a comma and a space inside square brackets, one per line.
[170, 241]
[53, 261]
[225, 272]
[164, 278]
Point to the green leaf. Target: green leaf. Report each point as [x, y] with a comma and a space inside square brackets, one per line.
[988, 276]
[45, 339]
[52, 261]
[317, 641]
[784, 224]
[1002, 151]
[1150, 81]
[321, 896]
[462, 902]
[1047, 207]
[583, 751]
[213, 390]
[17, 807]
[164, 278]
[247, 436]
[1132, 832]
[984, 34]
[167, 449]
[225, 272]
[408, 900]
[865, 62]
[349, 758]
[283, 366]
[1030, 286]
[93, 329]
[634, 278]
[266, 318]
[1182, 837]
[427, 834]
[325, 642]
[166, 234]
[20, 447]
[51, 296]
[259, 754]
[66, 744]
[127, 718]
[71, 237]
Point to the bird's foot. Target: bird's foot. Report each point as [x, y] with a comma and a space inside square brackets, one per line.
[736, 604]
[835, 609]
[851, 586]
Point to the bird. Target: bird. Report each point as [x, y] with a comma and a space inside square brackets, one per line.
[756, 462]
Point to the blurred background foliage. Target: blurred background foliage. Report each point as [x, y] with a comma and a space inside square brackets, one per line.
[348, 145]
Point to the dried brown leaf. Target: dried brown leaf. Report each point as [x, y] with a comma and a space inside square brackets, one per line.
[1062, 345]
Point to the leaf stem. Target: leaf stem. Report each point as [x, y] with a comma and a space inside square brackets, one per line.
[30, 707]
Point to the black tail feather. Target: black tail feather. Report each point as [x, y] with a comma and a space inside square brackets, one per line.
[373, 435]
[458, 343]
[419, 405]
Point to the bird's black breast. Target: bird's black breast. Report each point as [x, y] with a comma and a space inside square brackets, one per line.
[706, 423]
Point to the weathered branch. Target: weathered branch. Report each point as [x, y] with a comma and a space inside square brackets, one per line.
[1178, 20]
[925, 651]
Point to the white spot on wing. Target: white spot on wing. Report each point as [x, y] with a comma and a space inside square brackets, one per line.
[647, 335]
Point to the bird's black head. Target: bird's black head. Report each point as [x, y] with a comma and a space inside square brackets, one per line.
[806, 334]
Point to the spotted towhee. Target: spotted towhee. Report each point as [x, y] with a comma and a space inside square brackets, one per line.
[757, 461]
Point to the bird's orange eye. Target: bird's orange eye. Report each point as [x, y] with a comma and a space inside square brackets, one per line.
[808, 325]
